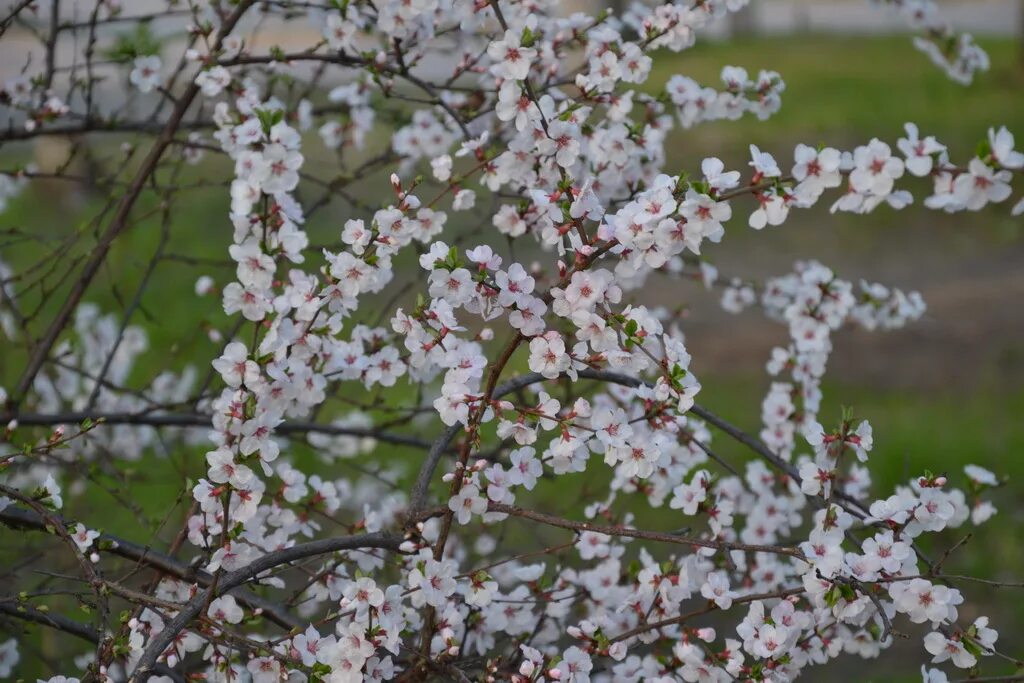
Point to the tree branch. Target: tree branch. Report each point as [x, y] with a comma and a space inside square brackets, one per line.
[704, 610]
[200, 420]
[117, 224]
[16, 517]
[75, 628]
[159, 643]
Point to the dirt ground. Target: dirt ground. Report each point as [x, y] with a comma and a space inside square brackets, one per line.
[971, 278]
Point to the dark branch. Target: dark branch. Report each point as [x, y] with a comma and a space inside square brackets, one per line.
[160, 642]
[16, 517]
[200, 420]
[75, 628]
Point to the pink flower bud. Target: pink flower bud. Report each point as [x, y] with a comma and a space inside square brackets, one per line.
[204, 284]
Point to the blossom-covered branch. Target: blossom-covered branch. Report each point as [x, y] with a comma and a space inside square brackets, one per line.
[475, 342]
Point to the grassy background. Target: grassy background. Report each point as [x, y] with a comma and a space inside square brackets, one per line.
[840, 91]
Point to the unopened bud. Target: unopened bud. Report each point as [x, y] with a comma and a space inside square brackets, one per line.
[203, 285]
[706, 634]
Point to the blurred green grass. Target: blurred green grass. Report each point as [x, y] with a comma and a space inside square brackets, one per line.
[840, 90]
[843, 89]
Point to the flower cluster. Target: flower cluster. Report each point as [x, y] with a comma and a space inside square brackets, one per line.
[491, 296]
[957, 54]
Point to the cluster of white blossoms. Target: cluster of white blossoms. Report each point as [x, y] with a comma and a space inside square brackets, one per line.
[534, 128]
[8, 320]
[87, 376]
[11, 186]
[278, 377]
[814, 303]
[957, 54]
[741, 95]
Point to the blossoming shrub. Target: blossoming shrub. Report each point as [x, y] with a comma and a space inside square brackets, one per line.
[504, 374]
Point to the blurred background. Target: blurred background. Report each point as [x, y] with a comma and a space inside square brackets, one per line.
[941, 393]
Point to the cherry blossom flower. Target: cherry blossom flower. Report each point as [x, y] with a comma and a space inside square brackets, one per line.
[466, 503]
[920, 153]
[435, 581]
[875, 169]
[815, 171]
[145, 74]
[944, 648]
[1001, 143]
[764, 164]
[235, 367]
[548, 355]
[981, 185]
[575, 666]
[225, 608]
[9, 656]
[511, 59]
[717, 177]
[213, 81]
[84, 537]
[716, 589]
